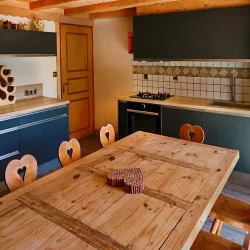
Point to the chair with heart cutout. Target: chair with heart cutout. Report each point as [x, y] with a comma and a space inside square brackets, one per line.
[208, 241]
[107, 135]
[13, 179]
[192, 133]
[225, 209]
[69, 152]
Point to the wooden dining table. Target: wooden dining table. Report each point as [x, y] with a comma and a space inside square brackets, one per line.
[75, 208]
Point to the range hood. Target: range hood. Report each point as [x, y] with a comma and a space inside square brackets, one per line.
[27, 43]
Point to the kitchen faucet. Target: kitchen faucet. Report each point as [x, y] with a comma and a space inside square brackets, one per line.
[232, 89]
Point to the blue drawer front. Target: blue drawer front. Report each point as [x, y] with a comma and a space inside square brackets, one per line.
[10, 123]
[57, 112]
[9, 142]
[42, 115]
[4, 163]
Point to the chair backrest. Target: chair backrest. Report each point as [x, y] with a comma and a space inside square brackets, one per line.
[12, 178]
[105, 141]
[246, 243]
[187, 130]
[69, 152]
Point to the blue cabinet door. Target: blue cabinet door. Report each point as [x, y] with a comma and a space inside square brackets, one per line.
[4, 161]
[229, 131]
[122, 119]
[33, 141]
[57, 131]
[9, 142]
[174, 118]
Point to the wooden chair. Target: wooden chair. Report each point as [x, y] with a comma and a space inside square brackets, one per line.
[12, 178]
[69, 152]
[231, 211]
[208, 241]
[187, 129]
[105, 141]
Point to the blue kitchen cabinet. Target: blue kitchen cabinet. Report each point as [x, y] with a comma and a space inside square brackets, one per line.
[174, 118]
[39, 134]
[33, 141]
[57, 131]
[229, 131]
[9, 143]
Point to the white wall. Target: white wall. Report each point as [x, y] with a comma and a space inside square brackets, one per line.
[112, 67]
[32, 70]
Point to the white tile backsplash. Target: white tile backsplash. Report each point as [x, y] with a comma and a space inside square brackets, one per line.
[201, 87]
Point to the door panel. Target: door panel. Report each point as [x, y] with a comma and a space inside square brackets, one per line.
[79, 111]
[77, 78]
[73, 54]
[78, 85]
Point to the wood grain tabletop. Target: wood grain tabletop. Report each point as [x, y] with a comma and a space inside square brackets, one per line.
[74, 208]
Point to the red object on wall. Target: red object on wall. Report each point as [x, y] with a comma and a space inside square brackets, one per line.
[130, 42]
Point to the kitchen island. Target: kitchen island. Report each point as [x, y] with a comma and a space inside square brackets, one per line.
[74, 208]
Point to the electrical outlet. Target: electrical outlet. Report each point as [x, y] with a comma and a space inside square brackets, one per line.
[28, 92]
[145, 76]
[175, 78]
[55, 74]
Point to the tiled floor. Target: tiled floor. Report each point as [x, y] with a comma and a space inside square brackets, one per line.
[238, 186]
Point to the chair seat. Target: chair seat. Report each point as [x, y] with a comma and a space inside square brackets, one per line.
[207, 241]
[232, 211]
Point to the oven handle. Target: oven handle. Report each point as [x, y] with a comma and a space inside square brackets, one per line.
[142, 112]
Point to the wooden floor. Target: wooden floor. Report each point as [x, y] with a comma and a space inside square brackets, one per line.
[238, 186]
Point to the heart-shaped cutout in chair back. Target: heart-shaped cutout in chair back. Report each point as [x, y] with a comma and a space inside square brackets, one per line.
[192, 133]
[12, 177]
[105, 141]
[69, 152]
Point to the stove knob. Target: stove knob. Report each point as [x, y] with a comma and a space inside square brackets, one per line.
[143, 106]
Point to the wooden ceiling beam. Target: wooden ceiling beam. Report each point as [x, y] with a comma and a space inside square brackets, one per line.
[21, 12]
[188, 5]
[47, 4]
[113, 14]
[112, 6]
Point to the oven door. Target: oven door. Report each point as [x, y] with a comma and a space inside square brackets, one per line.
[144, 121]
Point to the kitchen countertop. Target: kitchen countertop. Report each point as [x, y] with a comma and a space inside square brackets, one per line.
[190, 103]
[30, 105]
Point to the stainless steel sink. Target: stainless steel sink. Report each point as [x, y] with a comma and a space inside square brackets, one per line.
[231, 104]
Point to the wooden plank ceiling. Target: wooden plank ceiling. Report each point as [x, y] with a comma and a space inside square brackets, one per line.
[94, 9]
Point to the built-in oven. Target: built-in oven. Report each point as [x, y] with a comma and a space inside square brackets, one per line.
[144, 117]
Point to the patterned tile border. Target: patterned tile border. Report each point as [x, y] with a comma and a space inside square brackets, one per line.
[240, 73]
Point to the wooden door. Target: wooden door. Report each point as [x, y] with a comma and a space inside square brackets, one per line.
[77, 78]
